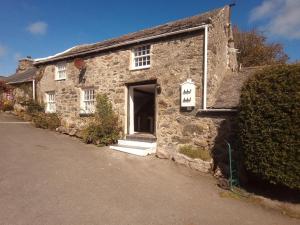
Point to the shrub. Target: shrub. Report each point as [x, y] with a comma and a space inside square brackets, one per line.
[6, 105]
[46, 120]
[35, 111]
[32, 107]
[269, 125]
[195, 152]
[104, 129]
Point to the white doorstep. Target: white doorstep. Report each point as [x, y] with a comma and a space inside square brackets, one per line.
[140, 148]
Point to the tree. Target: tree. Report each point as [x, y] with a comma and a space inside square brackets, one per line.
[254, 50]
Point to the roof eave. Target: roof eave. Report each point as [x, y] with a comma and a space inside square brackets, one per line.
[19, 82]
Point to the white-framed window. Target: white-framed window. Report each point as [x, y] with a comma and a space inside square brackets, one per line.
[87, 101]
[60, 71]
[50, 102]
[141, 57]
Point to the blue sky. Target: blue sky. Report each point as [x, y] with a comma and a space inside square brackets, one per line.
[43, 28]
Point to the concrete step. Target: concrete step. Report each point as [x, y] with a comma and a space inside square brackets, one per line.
[135, 150]
[135, 143]
[141, 137]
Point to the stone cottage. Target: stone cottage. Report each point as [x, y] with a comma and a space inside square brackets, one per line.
[23, 82]
[164, 83]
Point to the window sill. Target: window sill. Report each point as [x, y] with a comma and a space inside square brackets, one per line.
[140, 68]
[60, 79]
[86, 114]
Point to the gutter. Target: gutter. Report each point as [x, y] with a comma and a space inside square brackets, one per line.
[33, 89]
[204, 26]
[205, 67]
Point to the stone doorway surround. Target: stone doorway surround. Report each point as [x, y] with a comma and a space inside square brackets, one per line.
[140, 118]
[140, 139]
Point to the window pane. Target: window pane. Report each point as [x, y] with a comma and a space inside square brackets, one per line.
[61, 70]
[89, 101]
[51, 102]
[141, 56]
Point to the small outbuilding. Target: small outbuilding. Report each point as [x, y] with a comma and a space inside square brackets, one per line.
[23, 81]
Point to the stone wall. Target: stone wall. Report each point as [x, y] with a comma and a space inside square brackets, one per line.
[204, 131]
[22, 91]
[221, 58]
[173, 60]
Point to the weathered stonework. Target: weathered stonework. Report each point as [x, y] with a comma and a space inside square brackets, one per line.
[108, 73]
[173, 60]
[24, 64]
[197, 164]
[21, 92]
[22, 83]
[221, 60]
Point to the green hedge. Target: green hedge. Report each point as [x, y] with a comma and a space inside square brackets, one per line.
[269, 123]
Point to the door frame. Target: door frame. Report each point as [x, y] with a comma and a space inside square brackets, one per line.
[130, 105]
[130, 117]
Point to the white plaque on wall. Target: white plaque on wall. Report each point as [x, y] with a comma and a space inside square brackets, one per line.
[188, 94]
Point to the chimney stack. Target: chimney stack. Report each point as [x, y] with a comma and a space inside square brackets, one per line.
[25, 64]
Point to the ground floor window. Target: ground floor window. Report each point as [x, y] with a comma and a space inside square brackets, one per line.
[88, 101]
[50, 102]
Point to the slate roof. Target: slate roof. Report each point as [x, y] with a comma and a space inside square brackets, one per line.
[22, 77]
[174, 26]
[228, 94]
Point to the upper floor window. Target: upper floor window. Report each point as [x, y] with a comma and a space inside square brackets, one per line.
[50, 102]
[141, 57]
[88, 101]
[61, 72]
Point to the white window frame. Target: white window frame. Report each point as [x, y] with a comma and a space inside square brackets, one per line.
[142, 52]
[87, 101]
[50, 102]
[61, 67]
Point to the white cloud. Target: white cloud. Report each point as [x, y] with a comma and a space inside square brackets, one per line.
[39, 28]
[279, 17]
[2, 50]
[266, 9]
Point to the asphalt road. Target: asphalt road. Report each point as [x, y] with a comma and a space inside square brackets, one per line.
[50, 178]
